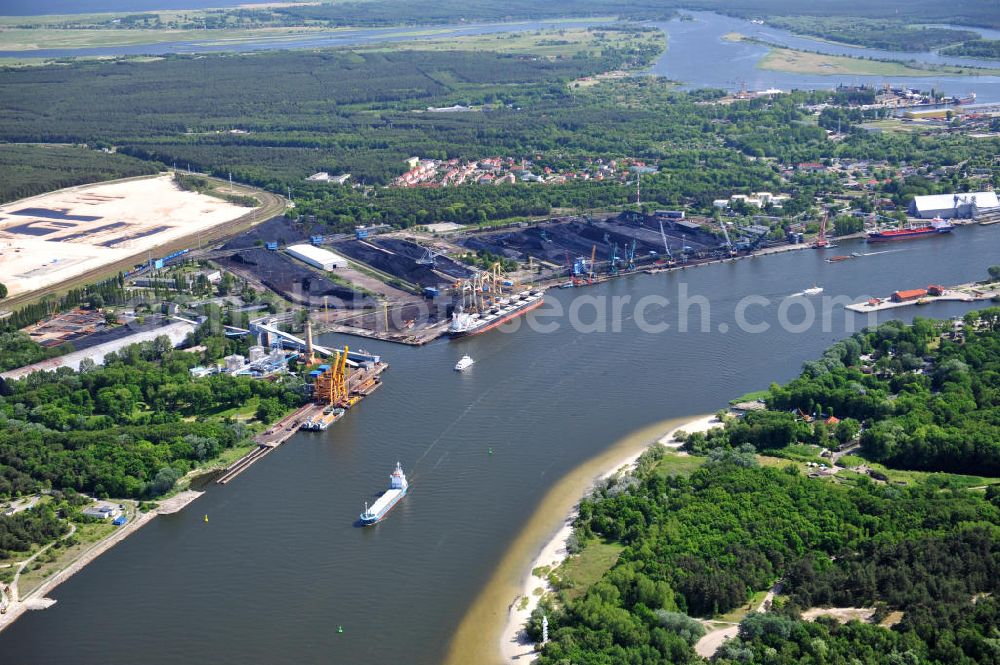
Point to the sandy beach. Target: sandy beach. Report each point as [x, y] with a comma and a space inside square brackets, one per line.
[515, 647]
[493, 629]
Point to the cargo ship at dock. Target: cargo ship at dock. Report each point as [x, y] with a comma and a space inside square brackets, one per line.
[466, 324]
[937, 226]
[489, 299]
[397, 490]
[322, 421]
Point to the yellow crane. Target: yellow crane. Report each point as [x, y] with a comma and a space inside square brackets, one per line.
[331, 385]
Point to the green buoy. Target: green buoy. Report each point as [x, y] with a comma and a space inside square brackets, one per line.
[340, 629]
[491, 451]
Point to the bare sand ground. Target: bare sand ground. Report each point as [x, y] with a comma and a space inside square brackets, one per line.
[515, 647]
[841, 614]
[51, 238]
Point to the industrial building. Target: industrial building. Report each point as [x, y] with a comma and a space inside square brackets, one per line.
[317, 257]
[102, 510]
[967, 205]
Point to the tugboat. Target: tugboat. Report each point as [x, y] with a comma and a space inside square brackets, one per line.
[397, 490]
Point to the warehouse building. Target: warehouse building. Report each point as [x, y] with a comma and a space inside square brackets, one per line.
[968, 205]
[317, 257]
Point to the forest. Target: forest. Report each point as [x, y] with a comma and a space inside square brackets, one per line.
[20, 531]
[34, 169]
[128, 429]
[396, 12]
[884, 34]
[364, 113]
[18, 350]
[916, 397]
[413, 12]
[976, 48]
[701, 545]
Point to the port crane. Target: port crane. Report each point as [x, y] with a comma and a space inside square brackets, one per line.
[666, 247]
[427, 259]
[729, 243]
[630, 256]
[331, 386]
[593, 257]
[485, 288]
[821, 242]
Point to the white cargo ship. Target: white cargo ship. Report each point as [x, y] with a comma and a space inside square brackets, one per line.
[464, 324]
[397, 490]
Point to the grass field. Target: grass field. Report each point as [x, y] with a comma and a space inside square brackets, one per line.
[54, 35]
[58, 558]
[564, 43]
[674, 464]
[579, 572]
[898, 126]
[27, 40]
[802, 62]
[738, 614]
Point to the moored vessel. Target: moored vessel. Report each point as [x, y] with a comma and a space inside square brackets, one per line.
[465, 324]
[397, 490]
[320, 422]
[936, 226]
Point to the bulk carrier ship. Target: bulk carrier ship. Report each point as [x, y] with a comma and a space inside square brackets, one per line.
[465, 324]
[488, 300]
[936, 226]
[397, 490]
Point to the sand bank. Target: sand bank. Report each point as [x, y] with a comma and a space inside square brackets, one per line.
[496, 619]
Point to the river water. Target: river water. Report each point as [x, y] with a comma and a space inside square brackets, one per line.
[697, 55]
[280, 565]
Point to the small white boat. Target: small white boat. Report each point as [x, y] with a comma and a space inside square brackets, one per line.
[813, 291]
[465, 363]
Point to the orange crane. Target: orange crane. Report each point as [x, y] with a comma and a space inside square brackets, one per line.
[331, 386]
[593, 257]
[821, 242]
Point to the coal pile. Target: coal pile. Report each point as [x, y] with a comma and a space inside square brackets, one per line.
[443, 264]
[560, 242]
[277, 229]
[398, 265]
[294, 281]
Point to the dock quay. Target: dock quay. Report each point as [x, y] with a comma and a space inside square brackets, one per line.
[358, 385]
[971, 292]
[270, 439]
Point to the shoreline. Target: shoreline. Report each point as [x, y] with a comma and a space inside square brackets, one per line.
[37, 599]
[489, 634]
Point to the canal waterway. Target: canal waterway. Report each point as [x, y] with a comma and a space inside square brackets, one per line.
[280, 564]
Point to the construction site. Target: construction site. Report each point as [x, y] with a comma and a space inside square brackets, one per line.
[57, 237]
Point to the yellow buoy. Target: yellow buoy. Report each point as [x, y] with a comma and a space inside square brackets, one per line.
[206, 518]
